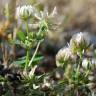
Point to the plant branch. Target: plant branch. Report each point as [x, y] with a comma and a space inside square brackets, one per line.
[34, 53]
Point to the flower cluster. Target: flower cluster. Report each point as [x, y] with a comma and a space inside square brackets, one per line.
[81, 71]
[78, 44]
[27, 11]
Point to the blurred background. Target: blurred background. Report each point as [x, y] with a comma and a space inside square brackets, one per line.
[81, 14]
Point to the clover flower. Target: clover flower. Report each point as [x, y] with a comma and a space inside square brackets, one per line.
[64, 55]
[79, 42]
[85, 63]
[88, 63]
[93, 61]
[24, 11]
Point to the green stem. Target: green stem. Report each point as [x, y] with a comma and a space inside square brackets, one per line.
[27, 59]
[42, 24]
[77, 73]
[78, 68]
[87, 73]
[27, 29]
[34, 53]
[27, 52]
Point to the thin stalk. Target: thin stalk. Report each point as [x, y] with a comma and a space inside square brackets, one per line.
[27, 52]
[27, 59]
[27, 29]
[87, 73]
[78, 67]
[77, 72]
[34, 53]
[43, 23]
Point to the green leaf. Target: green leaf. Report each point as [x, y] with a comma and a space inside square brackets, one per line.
[19, 62]
[38, 58]
[22, 61]
[21, 36]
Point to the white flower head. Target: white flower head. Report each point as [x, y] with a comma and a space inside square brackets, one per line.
[64, 54]
[85, 63]
[81, 37]
[27, 11]
[89, 63]
[93, 61]
[24, 11]
[80, 41]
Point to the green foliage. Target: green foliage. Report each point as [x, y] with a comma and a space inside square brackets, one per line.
[21, 36]
[21, 61]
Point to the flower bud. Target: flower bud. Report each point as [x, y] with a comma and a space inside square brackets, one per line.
[79, 42]
[64, 55]
[85, 63]
[24, 12]
[89, 63]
